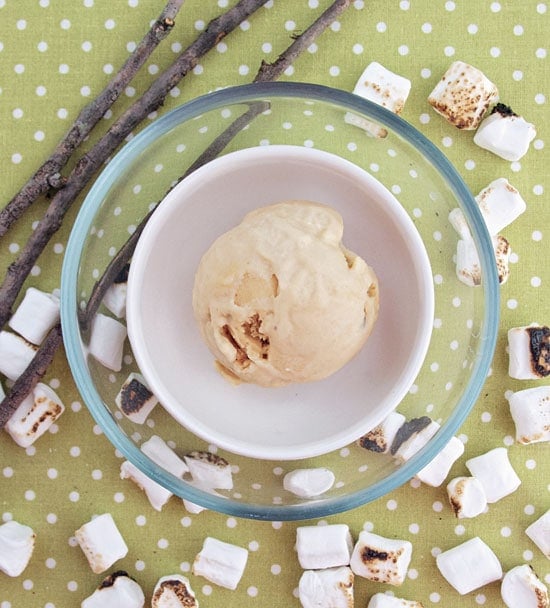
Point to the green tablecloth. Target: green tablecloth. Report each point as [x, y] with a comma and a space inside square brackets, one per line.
[54, 57]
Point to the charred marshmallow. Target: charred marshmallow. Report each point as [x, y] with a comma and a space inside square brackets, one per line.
[221, 563]
[383, 600]
[496, 474]
[522, 588]
[530, 410]
[173, 591]
[468, 266]
[381, 437]
[321, 547]
[308, 483]
[36, 315]
[529, 352]
[117, 590]
[500, 204]
[328, 588]
[16, 547]
[413, 438]
[209, 470]
[101, 542]
[15, 354]
[539, 533]
[466, 497]
[135, 400]
[436, 471]
[107, 341]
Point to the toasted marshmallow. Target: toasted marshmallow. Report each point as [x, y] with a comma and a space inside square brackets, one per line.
[36, 315]
[15, 354]
[466, 497]
[458, 221]
[539, 533]
[505, 134]
[379, 559]
[157, 495]
[522, 588]
[308, 483]
[117, 590]
[35, 415]
[468, 266]
[436, 471]
[107, 341]
[500, 204]
[463, 95]
[209, 470]
[135, 400]
[221, 563]
[321, 547]
[101, 542]
[161, 453]
[530, 410]
[173, 591]
[383, 600]
[415, 441]
[529, 352]
[381, 437]
[328, 588]
[16, 547]
[496, 474]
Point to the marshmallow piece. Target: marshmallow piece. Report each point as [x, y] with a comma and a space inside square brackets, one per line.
[466, 497]
[209, 470]
[328, 588]
[500, 204]
[161, 453]
[530, 410]
[16, 547]
[107, 341]
[436, 471]
[173, 591]
[463, 95]
[458, 221]
[135, 400]
[308, 483]
[36, 315]
[381, 437]
[469, 566]
[35, 415]
[115, 299]
[379, 559]
[15, 354]
[494, 471]
[468, 267]
[101, 542]
[117, 590]
[539, 533]
[522, 588]
[505, 134]
[383, 600]
[221, 563]
[415, 441]
[157, 495]
[529, 352]
[326, 546]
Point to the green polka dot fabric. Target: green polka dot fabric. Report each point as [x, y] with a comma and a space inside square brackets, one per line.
[54, 58]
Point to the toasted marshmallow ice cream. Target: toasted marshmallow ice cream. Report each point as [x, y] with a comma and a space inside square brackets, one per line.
[279, 299]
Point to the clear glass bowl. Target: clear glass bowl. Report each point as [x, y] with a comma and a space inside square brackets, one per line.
[404, 161]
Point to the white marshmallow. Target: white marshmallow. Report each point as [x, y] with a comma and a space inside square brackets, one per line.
[16, 547]
[101, 542]
[135, 400]
[107, 341]
[416, 442]
[308, 483]
[459, 223]
[36, 315]
[157, 495]
[115, 299]
[379, 559]
[436, 471]
[35, 415]
[500, 204]
[193, 507]
[530, 410]
[469, 566]
[383, 600]
[209, 470]
[221, 563]
[161, 453]
[468, 266]
[15, 354]
[173, 591]
[496, 474]
[529, 352]
[321, 547]
[118, 590]
[466, 497]
[522, 588]
[381, 437]
[328, 588]
[539, 533]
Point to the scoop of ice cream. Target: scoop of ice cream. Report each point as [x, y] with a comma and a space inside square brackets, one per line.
[279, 299]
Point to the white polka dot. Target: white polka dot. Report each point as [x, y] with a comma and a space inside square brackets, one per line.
[231, 522]
[391, 505]
[110, 24]
[27, 584]
[527, 555]
[290, 26]
[536, 235]
[414, 528]
[437, 506]
[460, 530]
[518, 30]
[450, 6]
[74, 451]
[162, 543]
[517, 75]
[530, 464]
[540, 99]
[435, 598]
[243, 70]
[65, 24]
[252, 591]
[512, 304]
[472, 28]
[119, 497]
[52, 473]
[540, 53]
[30, 495]
[275, 569]
[486, 417]
[51, 518]
[403, 49]
[480, 599]
[74, 496]
[334, 70]
[50, 563]
[505, 532]
[449, 51]
[541, 8]
[357, 49]
[529, 509]
[495, 7]
[381, 27]
[426, 28]
[140, 565]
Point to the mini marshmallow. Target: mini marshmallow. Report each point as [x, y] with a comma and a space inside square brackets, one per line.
[415, 441]
[117, 590]
[115, 296]
[36, 315]
[221, 563]
[522, 588]
[328, 588]
[16, 547]
[101, 542]
[505, 134]
[539, 533]
[173, 591]
[381, 437]
[308, 483]
[494, 471]
[469, 566]
[383, 600]
[135, 400]
[35, 415]
[436, 471]
[321, 547]
[107, 341]
[500, 204]
[161, 453]
[463, 95]
[530, 410]
[466, 497]
[468, 266]
[458, 221]
[529, 352]
[379, 559]
[157, 495]
[209, 470]
[15, 354]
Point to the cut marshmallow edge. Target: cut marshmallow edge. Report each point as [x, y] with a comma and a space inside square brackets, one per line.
[309, 483]
[530, 411]
[384, 600]
[16, 547]
[220, 563]
[522, 588]
[320, 547]
[495, 473]
[35, 316]
[539, 532]
[107, 341]
[328, 587]
[101, 542]
[529, 352]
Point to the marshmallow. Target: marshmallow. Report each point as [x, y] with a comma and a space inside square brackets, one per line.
[307, 483]
[500, 204]
[379, 559]
[328, 588]
[383, 600]
[135, 400]
[157, 495]
[209, 470]
[436, 471]
[35, 316]
[466, 497]
[117, 590]
[522, 588]
[15, 354]
[494, 471]
[16, 547]
[107, 341]
[505, 134]
[101, 542]
[530, 410]
[415, 439]
[321, 547]
[463, 95]
[539, 533]
[221, 563]
[161, 453]
[529, 352]
[468, 267]
[381, 437]
[458, 221]
[173, 591]
[469, 566]
[34, 415]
